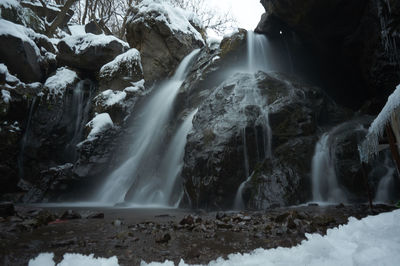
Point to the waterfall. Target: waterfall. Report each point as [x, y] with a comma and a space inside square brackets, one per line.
[259, 55]
[258, 52]
[386, 182]
[325, 186]
[138, 174]
[80, 106]
[161, 189]
[20, 160]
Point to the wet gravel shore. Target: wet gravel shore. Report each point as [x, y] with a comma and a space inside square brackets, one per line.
[134, 235]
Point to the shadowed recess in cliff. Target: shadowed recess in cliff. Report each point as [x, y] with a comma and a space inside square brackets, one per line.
[140, 180]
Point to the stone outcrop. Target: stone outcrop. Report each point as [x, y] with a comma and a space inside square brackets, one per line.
[24, 60]
[351, 41]
[122, 72]
[227, 122]
[161, 44]
[89, 52]
[20, 15]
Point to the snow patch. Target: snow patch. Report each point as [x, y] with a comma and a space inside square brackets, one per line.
[98, 124]
[177, 19]
[136, 87]
[128, 59]
[77, 29]
[369, 147]
[46, 259]
[9, 78]
[110, 97]
[58, 83]
[9, 3]
[5, 94]
[79, 43]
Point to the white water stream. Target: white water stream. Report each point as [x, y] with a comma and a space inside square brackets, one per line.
[138, 180]
[259, 58]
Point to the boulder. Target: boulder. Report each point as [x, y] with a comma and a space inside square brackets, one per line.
[93, 27]
[121, 72]
[89, 52]
[164, 35]
[14, 12]
[230, 137]
[19, 52]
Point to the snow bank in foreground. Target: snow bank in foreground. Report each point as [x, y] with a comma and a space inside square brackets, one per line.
[98, 124]
[46, 259]
[374, 240]
[369, 147]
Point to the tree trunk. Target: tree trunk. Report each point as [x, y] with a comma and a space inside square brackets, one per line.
[57, 21]
[85, 12]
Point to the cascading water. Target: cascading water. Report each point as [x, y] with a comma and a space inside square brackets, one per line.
[161, 189]
[24, 140]
[258, 54]
[325, 186]
[136, 181]
[386, 182]
[80, 109]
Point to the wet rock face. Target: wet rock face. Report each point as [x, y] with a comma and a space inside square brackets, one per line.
[160, 47]
[228, 128]
[344, 40]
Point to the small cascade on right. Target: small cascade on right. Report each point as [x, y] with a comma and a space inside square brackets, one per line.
[385, 184]
[325, 187]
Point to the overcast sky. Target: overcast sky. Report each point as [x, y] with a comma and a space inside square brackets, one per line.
[247, 12]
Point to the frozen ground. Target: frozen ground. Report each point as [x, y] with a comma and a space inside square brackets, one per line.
[374, 240]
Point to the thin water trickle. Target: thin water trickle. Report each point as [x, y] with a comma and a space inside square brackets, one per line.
[80, 109]
[136, 180]
[24, 140]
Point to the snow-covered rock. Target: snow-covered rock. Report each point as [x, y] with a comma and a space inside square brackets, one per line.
[122, 71]
[25, 61]
[390, 113]
[56, 85]
[99, 124]
[89, 52]
[12, 10]
[118, 104]
[164, 35]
